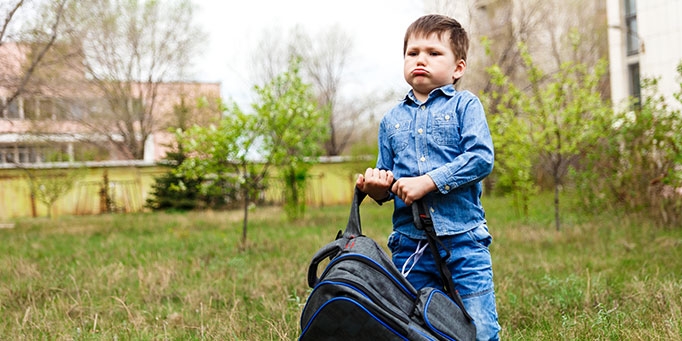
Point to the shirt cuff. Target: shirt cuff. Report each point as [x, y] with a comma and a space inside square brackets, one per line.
[440, 179]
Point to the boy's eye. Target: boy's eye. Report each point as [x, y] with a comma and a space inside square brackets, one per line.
[434, 53]
[412, 53]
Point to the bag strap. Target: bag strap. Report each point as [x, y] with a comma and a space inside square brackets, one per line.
[354, 227]
[422, 220]
[333, 249]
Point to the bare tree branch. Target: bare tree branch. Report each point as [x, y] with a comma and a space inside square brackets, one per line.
[41, 53]
[8, 19]
[129, 50]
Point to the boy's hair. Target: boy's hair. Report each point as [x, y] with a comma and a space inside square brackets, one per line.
[438, 24]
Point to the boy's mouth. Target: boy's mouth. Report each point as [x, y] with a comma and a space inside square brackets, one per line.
[419, 72]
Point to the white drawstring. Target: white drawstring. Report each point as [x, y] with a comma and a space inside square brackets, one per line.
[416, 255]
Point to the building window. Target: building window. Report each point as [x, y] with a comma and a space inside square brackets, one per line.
[13, 110]
[31, 111]
[635, 87]
[5, 156]
[632, 38]
[61, 110]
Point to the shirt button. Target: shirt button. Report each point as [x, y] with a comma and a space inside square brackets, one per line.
[423, 107]
[422, 159]
[397, 126]
[421, 131]
[447, 187]
[447, 117]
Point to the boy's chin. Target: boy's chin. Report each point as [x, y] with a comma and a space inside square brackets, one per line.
[423, 88]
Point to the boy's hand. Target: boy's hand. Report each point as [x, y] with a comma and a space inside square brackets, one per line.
[376, 183]
[412, 189]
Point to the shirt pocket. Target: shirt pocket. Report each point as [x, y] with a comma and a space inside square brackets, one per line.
[399, 135]
[445, 129]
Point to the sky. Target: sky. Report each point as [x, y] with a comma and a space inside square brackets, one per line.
[234, 27]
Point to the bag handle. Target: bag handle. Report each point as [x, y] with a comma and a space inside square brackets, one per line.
[422, 220]
[354, 227]
[328, 251]
[331, 250]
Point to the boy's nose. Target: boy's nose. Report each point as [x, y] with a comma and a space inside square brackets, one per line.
[421, 59]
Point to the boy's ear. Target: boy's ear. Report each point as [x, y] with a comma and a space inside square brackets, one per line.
[459, 70]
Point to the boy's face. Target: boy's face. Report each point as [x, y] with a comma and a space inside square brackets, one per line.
[430, 63]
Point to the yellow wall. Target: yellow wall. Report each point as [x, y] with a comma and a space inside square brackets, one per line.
[129, 187]
[329, 184]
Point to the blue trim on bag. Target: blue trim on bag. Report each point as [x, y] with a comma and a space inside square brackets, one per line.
[355, 303]
[329, 282]
[426, 316]
[421, 332]
[376, 266]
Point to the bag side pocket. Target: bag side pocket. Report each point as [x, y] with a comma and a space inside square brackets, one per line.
[441, 315]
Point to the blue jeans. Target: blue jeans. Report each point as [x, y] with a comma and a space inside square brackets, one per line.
[471, 267]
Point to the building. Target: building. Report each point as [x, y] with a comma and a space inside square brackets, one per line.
[111, 134]
[61, 116]
[645, 41]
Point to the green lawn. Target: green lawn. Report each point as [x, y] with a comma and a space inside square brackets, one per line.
[184, 276]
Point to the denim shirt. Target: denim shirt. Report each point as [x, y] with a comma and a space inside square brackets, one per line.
[446, 137]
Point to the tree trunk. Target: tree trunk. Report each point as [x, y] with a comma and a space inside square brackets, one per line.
[34, 211]
[557, 218]
[246, 218]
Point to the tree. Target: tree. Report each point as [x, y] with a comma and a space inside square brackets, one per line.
[283, 131]
[326, 56]
[173, 190]
[128, 50]
[38, 37]
[295, 128]
[326, 59]
[48, 187]
[558, 110]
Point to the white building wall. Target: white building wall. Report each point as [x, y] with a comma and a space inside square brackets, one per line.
[660, 37]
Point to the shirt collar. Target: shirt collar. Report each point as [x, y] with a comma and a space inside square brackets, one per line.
[446, 90]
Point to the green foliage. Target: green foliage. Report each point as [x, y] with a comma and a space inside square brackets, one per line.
[514, 152]
[176, 190]
[544, 127]
[48, 186]
[172, 190]
[295, 130]
[295, 180]
[635, 159]
[558, 125]
[285, 131]
[222, 157]
[560, 108]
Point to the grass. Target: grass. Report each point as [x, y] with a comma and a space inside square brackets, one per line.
[183, 276]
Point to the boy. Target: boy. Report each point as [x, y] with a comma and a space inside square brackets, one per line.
[437, 145]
